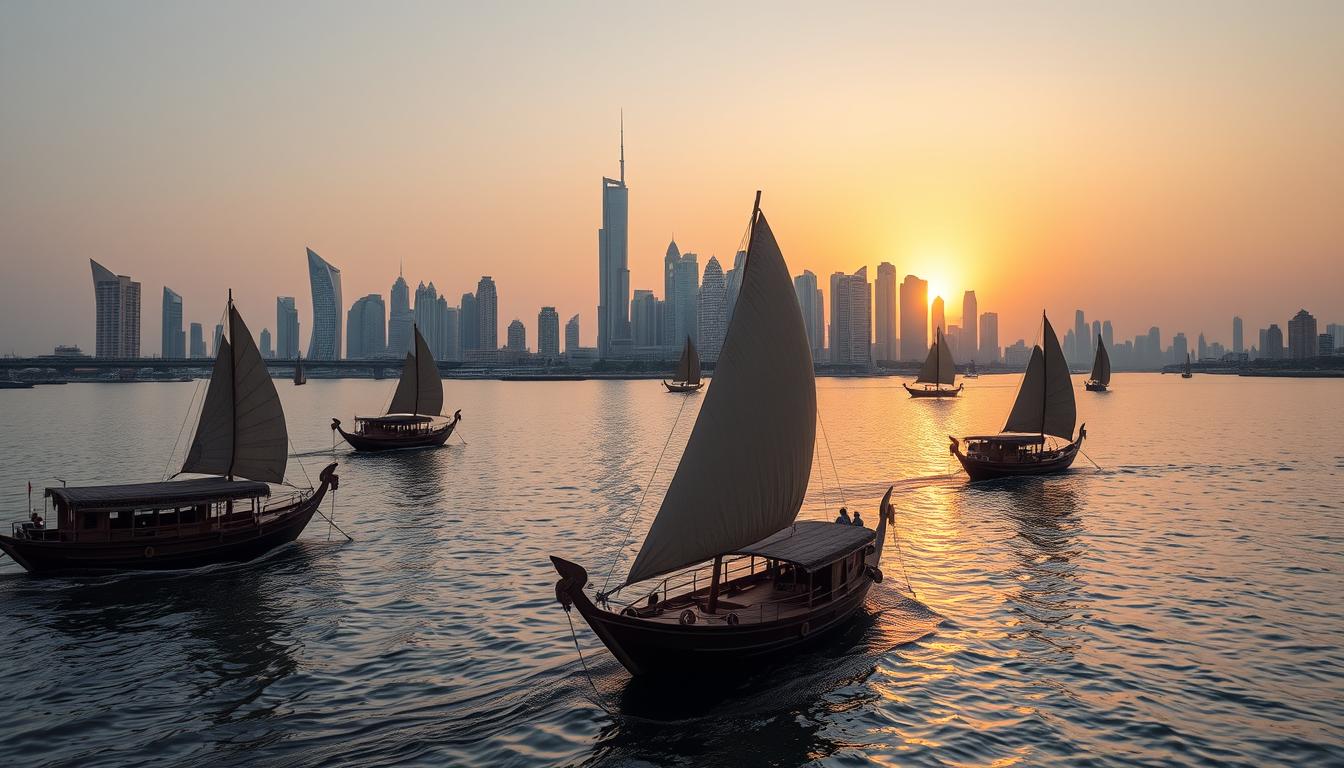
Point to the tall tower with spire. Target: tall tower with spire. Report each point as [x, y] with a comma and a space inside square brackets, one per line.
[613, 265]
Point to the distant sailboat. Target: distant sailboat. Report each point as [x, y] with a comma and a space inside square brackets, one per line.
[299, 378]
[414, 418]
[189, 523]
[1185, 372]
[971, 372]
[1101, 369]
[1044, 409]
[687, 376]
[728, 518]
[939, 369]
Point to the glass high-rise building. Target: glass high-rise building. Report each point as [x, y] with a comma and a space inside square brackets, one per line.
[884, 310]
[548, 333]
[399, 319]
[989, 337]
[117, 313]
[685, 298]
[851, 318]
[286, 328]
[613, 264]
[487, 314]
[197, 341]
[667, 321]
[914, 319]
[517, 337]
[970, 324]
[174, 341]
[364, 328]
[644, 319]
[711, 311]
[325, 281]
[814, 319]
[469, 330]
[572, 334]
[1302, 336]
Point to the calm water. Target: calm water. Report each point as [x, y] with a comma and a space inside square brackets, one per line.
[1183, 604]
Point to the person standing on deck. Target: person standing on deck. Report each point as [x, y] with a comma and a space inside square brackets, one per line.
[843, 518]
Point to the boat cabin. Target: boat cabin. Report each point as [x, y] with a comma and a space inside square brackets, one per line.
[397, 425]
[103, 513]
[788, 574]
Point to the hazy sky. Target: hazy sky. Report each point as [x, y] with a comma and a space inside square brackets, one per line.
[1156, 163]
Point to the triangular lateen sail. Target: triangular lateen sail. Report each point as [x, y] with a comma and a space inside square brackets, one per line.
[939, 367]
[744, 472]
[929, 373]
[420, 390]
[1101, 365]
[241, 432]
[1045, 403]
[688, 367]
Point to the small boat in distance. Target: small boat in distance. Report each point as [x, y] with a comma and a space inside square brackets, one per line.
[1185, 372]
[414, 418]
[939, 369]
[1101, 369]
[299, 378]
[726, 573]
[687, 376]
[971, 372]
[188, 523]
[1044, 409]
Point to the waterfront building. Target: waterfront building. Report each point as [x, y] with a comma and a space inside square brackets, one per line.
[1325, 345]
[266, 352]
[814, 317]
[1271, 344]
[1336, 331]
[1107, 334]
[613, 264]
[885, 310]
[970, 321]
[116, 313]
[325, 283]
[667, 328]
[1082, 353]
[1302, 336]
[487, 314]
[914, 319]
[451, 334]
[989, 337]
[286, 328]
[1180, 347]
[572, 334]
[400, 320]
[939, 317]
[470, 328]
[733, 277]
[685, 298]
[644, 319]
[219, 334]
[173, 341]
[548, 333]
[711, 311]
[1016, 355]
[364, 328]
[851, 318]
[197, 341]
[517, 337]
[1236, 335]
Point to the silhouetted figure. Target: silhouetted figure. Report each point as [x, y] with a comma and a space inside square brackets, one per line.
[843, 517]
[858, 518]
[37, 522]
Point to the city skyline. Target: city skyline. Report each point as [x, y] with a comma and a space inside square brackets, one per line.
[1045, 193]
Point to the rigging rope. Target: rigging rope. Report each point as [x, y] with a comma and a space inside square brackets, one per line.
[601, 704]
[182, 428]
[1089, 458]
[839, 487]
[635, 517]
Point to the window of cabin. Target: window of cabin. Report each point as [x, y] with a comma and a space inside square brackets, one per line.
[119, 520]
[144, 518]
[168, 517]
[187, 515]
[90, 520]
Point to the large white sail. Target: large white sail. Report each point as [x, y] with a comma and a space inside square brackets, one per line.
[939, 367]
[420, 389]
[1045, 402]
[242, 430]
[1101, 365]
[745, 469]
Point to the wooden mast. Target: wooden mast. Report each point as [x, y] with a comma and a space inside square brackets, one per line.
[233, 392]
[1045, 379]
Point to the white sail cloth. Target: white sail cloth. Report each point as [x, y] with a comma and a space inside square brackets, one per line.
[1045, 402]
[688, 367]
[1101, 365]
[745, 469]
[939, 367]
[420, 389]
[242, 429]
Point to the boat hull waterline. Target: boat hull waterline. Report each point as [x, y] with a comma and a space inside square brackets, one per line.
[430, 438]
[682, 387]
[933, 392]
[978, 468]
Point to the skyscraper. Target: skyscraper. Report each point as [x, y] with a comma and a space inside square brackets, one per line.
[1082, 353]
[548, 333]
[1237, 344]
[470, 328]
[851, 318]
[1180, 347]
[814, 319]
[286, 328]
[517, 337]
[685, 296]
[572, 334]
[667, 321]
[426, 313]
[117, 313]
[733, 277]
[711, 311]
[939, 317]
[452, 332]
[1272, 346]
[643, 319]
[266, 351]
[989, 337]
[885, 310]
[1336, 332]
[173, 343]
[970, 322]
[197, 341]
[1302, 336]
[487, 309]
[325, 281]
[613, 264]
[1107, 334]
[399, 320]
[1154, 347]
[219, 334]
[365, 328]
[914, 319]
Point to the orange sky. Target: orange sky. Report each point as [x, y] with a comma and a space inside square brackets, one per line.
[1151, 165]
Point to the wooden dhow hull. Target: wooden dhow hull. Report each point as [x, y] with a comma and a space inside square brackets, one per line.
[660, 649]
[987, 469]
[1095, 386]
[933, 392]
[231, 545]
[682, 387]
[432, 438]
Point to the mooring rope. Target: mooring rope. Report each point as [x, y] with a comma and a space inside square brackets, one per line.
[575, 637]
